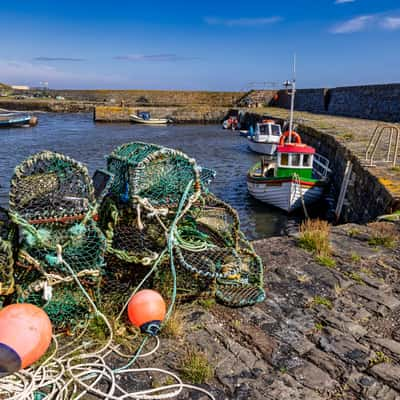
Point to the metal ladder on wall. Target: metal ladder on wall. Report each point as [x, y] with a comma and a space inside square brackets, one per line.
[376, 140]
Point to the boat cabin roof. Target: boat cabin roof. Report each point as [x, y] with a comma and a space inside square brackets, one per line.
[296, 148]
[268, 122]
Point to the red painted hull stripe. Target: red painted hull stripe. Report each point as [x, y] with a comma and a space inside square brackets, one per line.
[280, 181]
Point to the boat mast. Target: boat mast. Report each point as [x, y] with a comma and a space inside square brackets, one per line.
[293, 92]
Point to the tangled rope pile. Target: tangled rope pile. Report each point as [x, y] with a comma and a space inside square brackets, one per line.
[84, 251]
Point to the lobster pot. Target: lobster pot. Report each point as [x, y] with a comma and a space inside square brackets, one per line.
[68, 309]
[218, 218]
[6, 270]
[151, 172]
[231, 258]
[50, 185]
[119, 281]
[129, 239]
[52, 203]
[83, 247]
[248, 287]
[8, 243]
[189, 285]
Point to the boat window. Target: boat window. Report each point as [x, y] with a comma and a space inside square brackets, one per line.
[276, 130]
[284, 159]
[295, 160]
[306, 160]
[264, 129]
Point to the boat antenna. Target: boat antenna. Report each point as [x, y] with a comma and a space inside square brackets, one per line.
[293, 93]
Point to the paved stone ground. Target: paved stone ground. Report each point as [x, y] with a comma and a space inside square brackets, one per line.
[323, 332]
[355, 134]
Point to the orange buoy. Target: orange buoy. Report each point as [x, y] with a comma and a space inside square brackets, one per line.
[146, 310]
[33, 121]
[25, 335]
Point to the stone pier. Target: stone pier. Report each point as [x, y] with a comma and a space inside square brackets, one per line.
[323, 333]
[372, 191]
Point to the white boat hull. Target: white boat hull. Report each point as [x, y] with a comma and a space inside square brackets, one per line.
[263, 147]
[151, 121]
[286, 195]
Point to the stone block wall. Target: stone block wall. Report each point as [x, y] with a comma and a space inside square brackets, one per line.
[366, 197]
[313, 100]
[381, 102]
[189, 114]
[154, 98]
[257, 98]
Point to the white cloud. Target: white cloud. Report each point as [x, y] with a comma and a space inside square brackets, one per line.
[356, 24]
[243, 22]
[344, 1]
[382, 21]
[391, 23]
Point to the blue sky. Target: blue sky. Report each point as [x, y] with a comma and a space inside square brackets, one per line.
[210, 45]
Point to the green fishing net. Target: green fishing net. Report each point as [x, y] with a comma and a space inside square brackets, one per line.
[138, 209]
[52, 203]
[149, 214]
[146, 171]
[8, 242]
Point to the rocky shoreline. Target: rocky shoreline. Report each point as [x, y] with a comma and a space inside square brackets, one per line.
[324, 332]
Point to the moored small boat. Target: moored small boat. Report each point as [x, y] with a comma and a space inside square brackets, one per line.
[265, 138]
[13, 120]
[297, 178]
[231, 123]
[145, 118]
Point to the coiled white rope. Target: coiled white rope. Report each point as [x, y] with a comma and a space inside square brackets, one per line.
[69, 376]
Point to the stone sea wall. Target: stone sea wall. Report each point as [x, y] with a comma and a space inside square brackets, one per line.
[161, 98]
[48, 105]
[189, 114]
[366, 197]
[379, 102]
[306, 100]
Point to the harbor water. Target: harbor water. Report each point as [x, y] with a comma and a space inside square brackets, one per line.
[77, 136]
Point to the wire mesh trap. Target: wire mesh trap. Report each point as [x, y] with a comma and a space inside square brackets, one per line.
[139, 207]
[81, 250]
[52, 203]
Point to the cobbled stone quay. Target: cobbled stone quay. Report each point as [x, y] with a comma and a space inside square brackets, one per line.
[322, 333]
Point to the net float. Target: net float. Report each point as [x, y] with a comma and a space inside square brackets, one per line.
[33, 121]
[146, 310]
[25, 336]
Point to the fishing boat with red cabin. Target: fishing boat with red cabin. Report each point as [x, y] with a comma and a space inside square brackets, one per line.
[297, 178]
